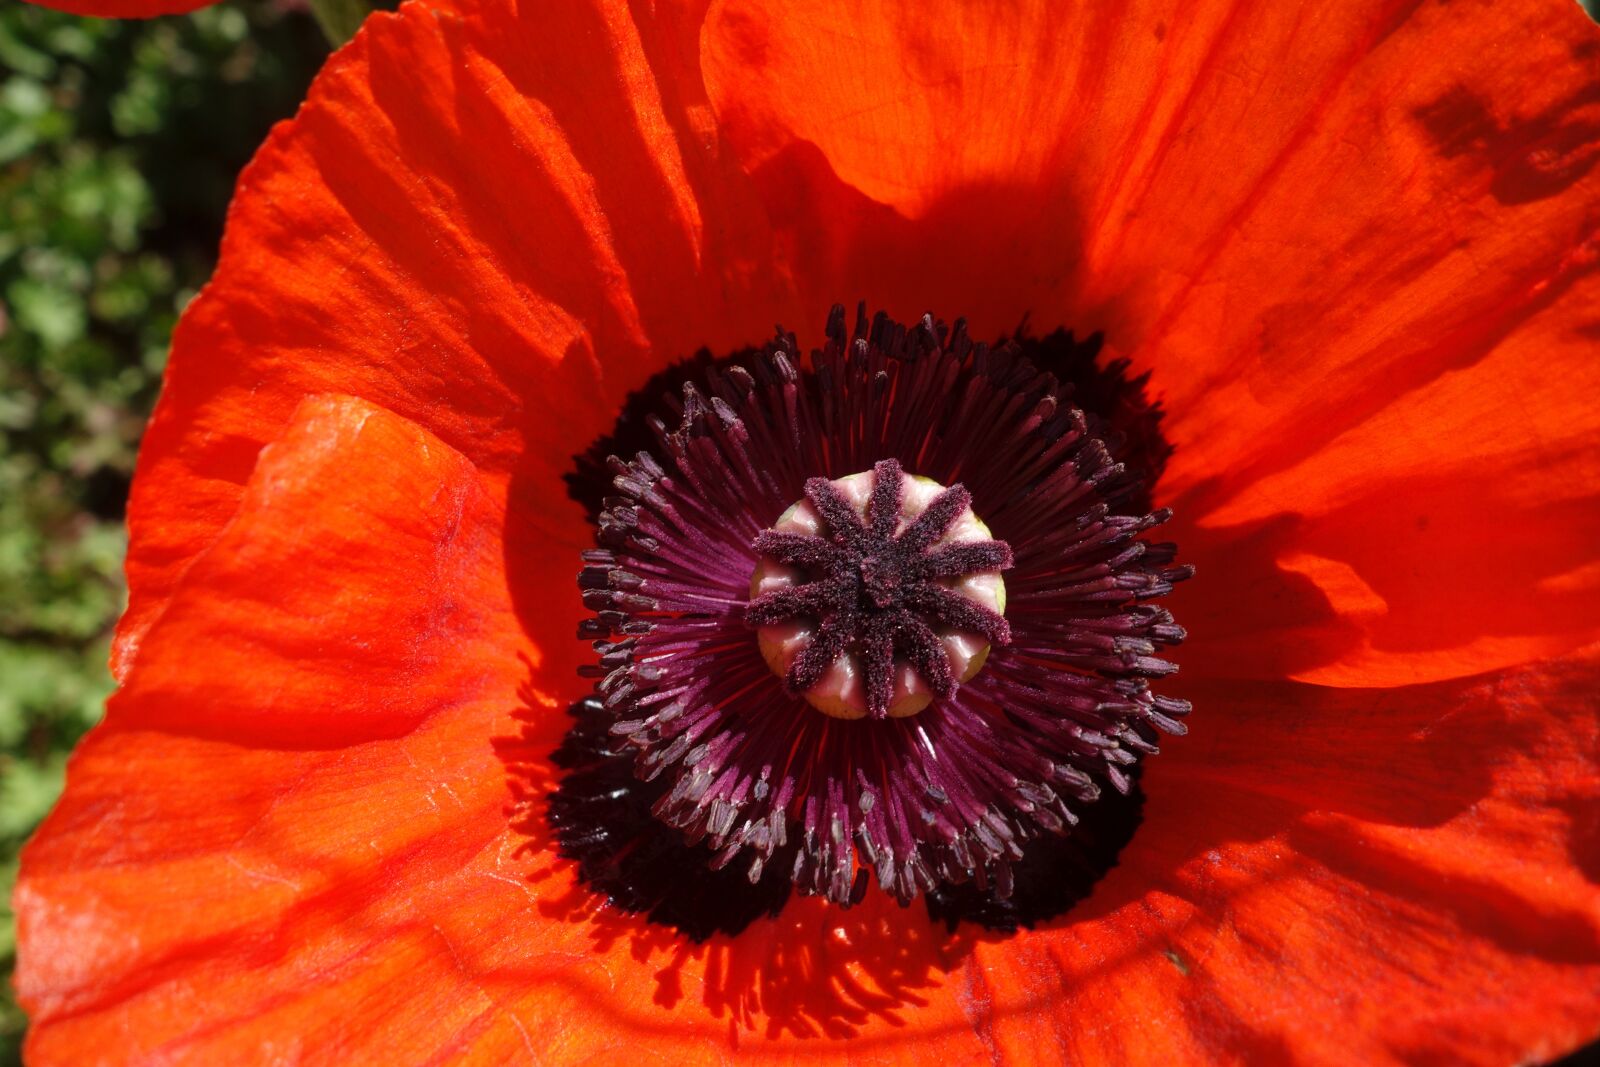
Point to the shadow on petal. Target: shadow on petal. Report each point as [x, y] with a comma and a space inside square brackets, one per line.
[765, 962]
[768, 961]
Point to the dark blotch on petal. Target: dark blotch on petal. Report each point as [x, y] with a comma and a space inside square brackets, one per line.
[589, 481]
[1055, 875]
[1115, 405]
[601, 816]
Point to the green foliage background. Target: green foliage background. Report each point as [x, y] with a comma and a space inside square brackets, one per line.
[119, 146]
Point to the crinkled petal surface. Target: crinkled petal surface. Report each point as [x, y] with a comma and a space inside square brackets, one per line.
[1358, 246]
[497, 225]
[1355, 244]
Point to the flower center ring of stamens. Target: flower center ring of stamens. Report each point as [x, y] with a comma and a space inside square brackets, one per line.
[744, 580]
[877, 593]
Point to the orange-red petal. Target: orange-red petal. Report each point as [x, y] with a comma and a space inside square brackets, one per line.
[310, 718]
[496, 225]
[261, 894]
[1356, 245]
[1336, 876]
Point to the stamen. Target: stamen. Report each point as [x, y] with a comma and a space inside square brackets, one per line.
[981, 714]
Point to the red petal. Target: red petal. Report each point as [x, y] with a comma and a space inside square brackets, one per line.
[1310, 850]
[310, 718]
[1358, 256]
[1337, 876]
[495, 225]
[1373, 342]
[320, 855]
[343, 591]
[124, 9]
[917, 158]
[1451, 531]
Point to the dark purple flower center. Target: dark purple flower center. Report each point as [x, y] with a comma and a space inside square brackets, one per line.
[875, 605]
[792, 536]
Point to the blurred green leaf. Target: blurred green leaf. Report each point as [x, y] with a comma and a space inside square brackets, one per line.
[54, 313]
[120, 142]
[339, 19]
[27, 789]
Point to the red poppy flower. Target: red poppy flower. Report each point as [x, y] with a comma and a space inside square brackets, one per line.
[1357, 249]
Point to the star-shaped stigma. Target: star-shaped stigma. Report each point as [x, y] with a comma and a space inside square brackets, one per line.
[880, 587]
